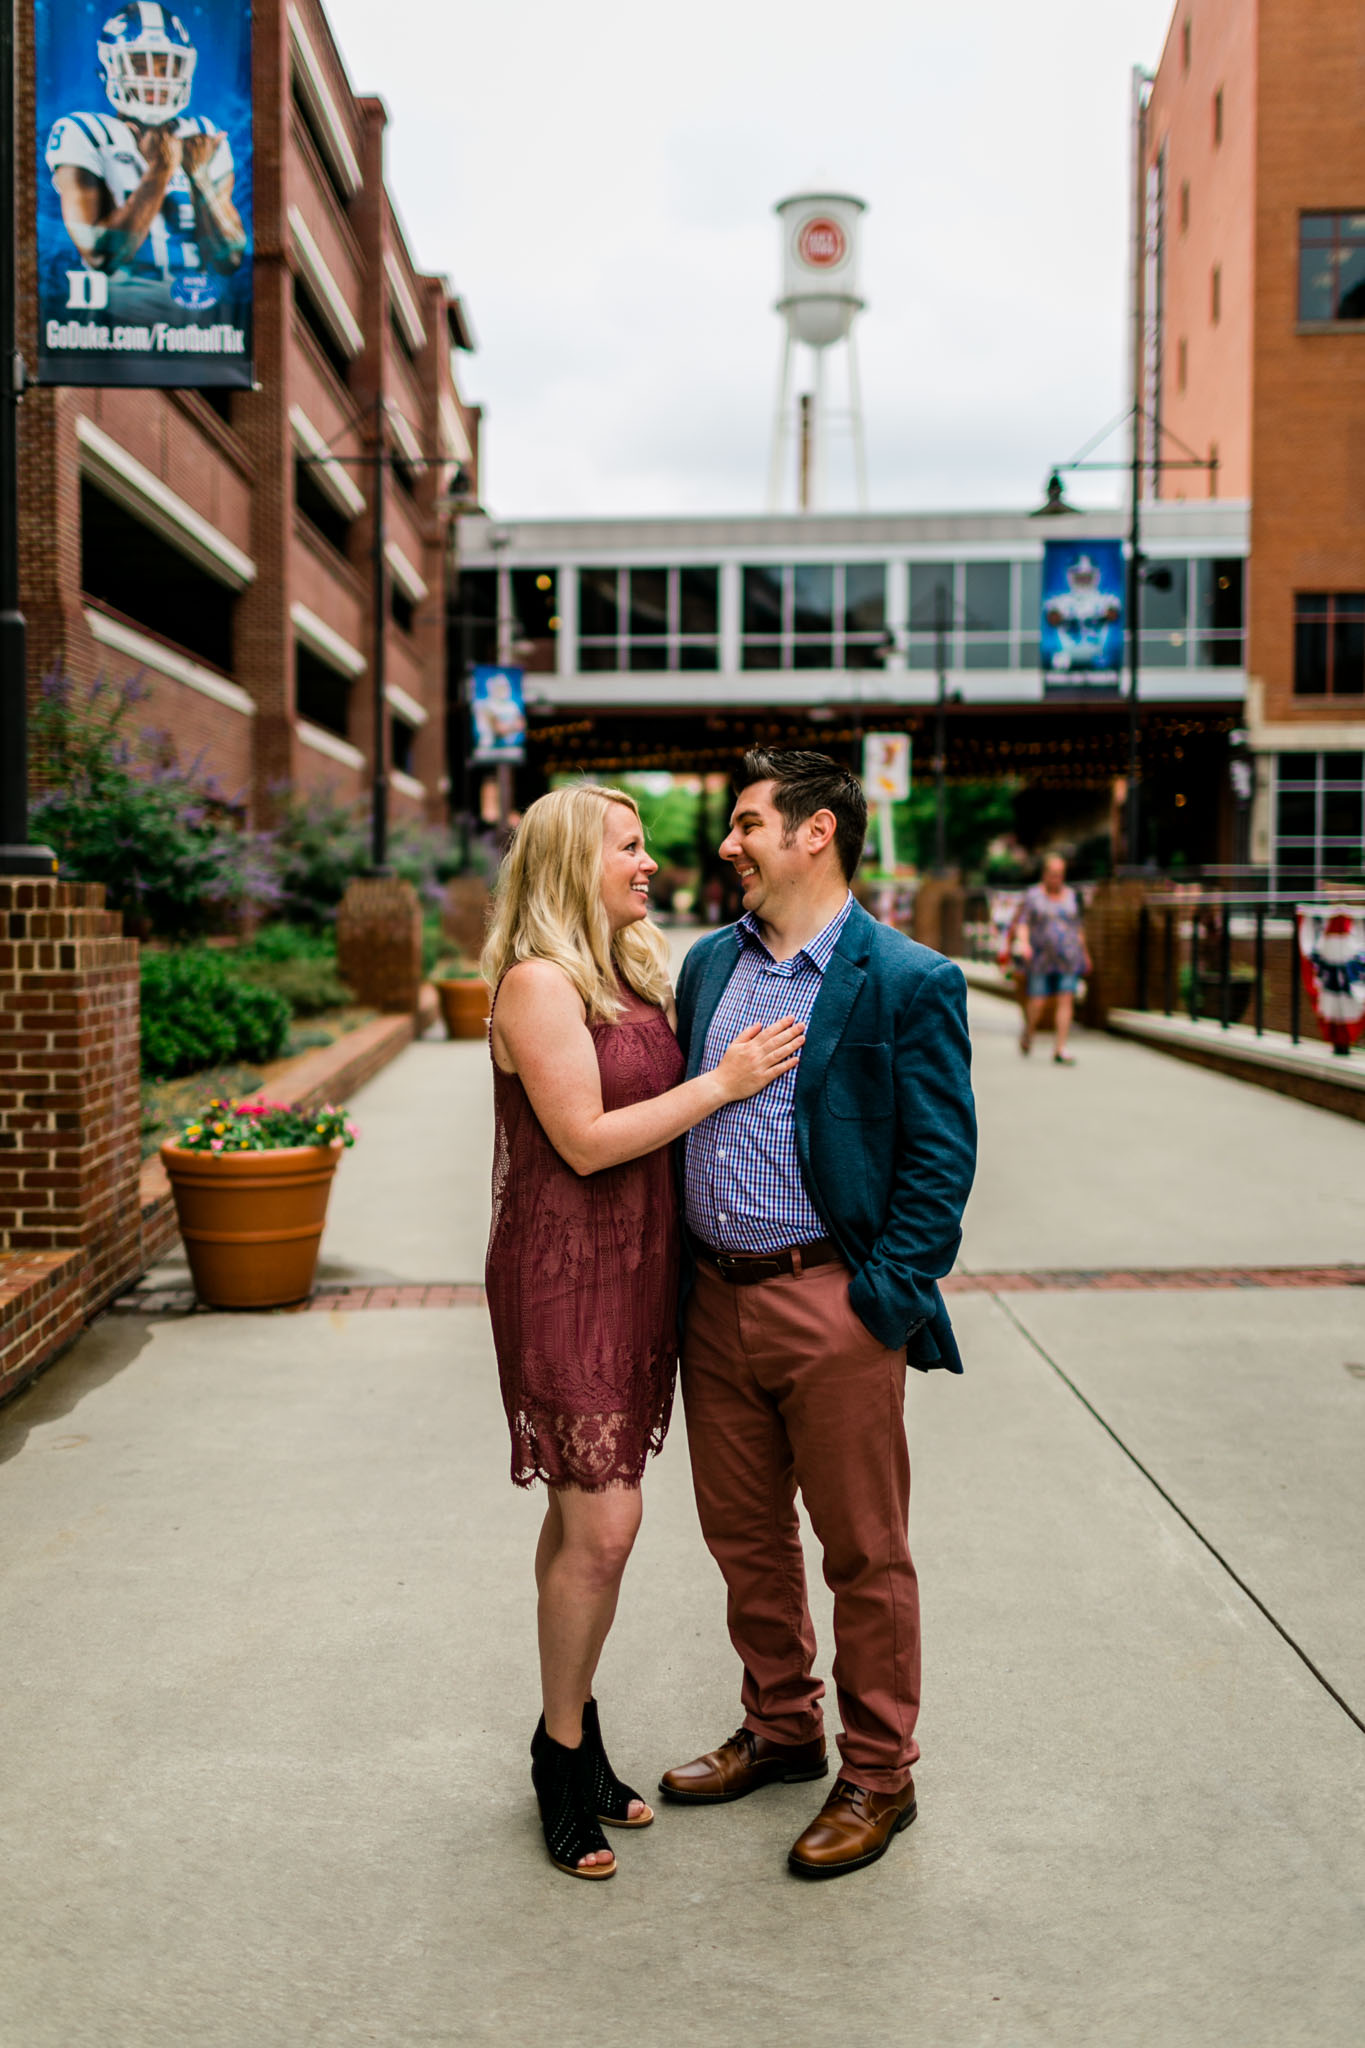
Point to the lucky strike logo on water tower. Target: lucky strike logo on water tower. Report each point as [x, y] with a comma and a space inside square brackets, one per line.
[821, 242]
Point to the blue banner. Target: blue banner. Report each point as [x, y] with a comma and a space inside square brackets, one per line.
[144, 193]
[499, 714]
[1082, 614]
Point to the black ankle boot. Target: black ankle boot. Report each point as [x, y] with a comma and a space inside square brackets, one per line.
[564, 1789]
[611, 1799]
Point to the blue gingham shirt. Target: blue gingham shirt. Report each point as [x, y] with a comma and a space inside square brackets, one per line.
[743, 1177]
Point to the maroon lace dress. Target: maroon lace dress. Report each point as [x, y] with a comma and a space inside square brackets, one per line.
[582, 1276]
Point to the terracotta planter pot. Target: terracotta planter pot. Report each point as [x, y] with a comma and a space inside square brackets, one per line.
[464, 1007]
[252, 1221]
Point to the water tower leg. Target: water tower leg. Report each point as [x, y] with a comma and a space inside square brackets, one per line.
[817, 434]
[855, 393]
[779, 452]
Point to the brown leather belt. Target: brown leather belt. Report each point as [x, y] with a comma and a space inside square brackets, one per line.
[745, 1269]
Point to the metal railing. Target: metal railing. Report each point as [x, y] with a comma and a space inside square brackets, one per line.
[1219, 956]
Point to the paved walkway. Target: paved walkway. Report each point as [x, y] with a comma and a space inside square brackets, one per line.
[265, 1599]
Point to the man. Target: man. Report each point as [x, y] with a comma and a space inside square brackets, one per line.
[146, 186]
[820, 1215]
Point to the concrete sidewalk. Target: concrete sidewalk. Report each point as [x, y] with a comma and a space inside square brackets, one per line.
[267, 1605]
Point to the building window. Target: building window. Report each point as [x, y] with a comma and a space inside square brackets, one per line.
[1217, 617]
[1184, 206]
[1319, 815]
[818, 615]
[1218, 118]
[321, 511]
[322, 694]
[401, 738]
[1185, 46]
[648, 619]
[1182, 364]
[535, 619]
[318, 140]
[1332, 266]
[474, 618]
[1329, 644]
[315, 320]
[147, 581]
[1216, 294]
[402, 610]
[989, 613]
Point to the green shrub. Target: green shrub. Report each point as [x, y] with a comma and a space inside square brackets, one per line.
[298, 963]
[197, 1012]
[321, 844]
[160, 837]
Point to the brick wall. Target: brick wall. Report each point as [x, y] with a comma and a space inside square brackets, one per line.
[69, 1087]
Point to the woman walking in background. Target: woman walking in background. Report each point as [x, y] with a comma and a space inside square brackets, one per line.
[1047, 932]
[582, 1267]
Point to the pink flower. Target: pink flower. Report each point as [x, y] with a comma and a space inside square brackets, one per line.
[215, 1144]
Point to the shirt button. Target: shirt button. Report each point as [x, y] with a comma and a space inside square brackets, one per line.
[723, 1217]
[720, 1153]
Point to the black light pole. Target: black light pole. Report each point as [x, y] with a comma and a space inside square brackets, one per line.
[17, 857]
[1137, 573]
[379, 797]
[941, 731]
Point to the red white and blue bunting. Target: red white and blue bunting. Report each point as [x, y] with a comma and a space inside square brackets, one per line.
[1332, 962]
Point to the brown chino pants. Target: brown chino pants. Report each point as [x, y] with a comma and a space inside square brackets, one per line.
[785, 1388]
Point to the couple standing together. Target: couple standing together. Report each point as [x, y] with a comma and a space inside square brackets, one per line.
[815, 1067]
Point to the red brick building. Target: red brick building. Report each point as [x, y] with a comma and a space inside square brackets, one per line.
[188, 536]
[1253, 221]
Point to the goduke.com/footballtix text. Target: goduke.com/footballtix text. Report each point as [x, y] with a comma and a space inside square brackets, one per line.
[161, 339]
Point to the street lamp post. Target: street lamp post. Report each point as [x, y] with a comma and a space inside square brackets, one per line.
[17, 857]
[1160, 579]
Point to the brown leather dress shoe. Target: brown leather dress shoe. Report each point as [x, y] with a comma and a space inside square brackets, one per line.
[740, 1766]
[852, 1829]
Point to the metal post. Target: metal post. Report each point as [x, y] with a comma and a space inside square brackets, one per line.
[1194, 966]
[1134, 626]
[1225, 966]
[1260, 969]
[379, 799]
[17, 857]
[941, 732]
[1143, 947]
[1168, 964]
[1295, 972]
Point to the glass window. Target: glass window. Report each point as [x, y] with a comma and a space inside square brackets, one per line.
[699, 600]
[1332, 266]
[988, 598]
[865, 597]
[1297, 813]
[1165, 605]
[812, 598]
[762, 600]
[986, 650]
[648, 607]
[1295, 768]
[597, 607]
[1329, 644]
[648, 654]
[931, 596]
[1341, 767]
[535, 603]
[1320, 812]
[699, 654]
[1341, 813]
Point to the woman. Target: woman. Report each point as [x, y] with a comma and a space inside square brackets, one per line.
[582, 1265]
[1049, 936]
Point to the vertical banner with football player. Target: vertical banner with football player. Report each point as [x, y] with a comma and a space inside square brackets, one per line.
[1082, 623]
[144, 192]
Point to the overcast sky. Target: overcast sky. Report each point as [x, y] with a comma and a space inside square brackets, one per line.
[598, 180]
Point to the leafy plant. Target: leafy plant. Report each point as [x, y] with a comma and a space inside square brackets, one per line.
[197, 1012]
[264, 1127]
[322, 844]
[298, 962]
[115, 810]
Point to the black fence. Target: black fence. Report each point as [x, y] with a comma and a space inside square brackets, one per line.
[1230, 958]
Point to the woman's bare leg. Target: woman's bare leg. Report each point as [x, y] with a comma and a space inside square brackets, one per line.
[1065, 1006]
[579, 1578]
[1035, 1011]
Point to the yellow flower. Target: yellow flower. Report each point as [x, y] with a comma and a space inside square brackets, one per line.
[194, 1131]
[218, 1130]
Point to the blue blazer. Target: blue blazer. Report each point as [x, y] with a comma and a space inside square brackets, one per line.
[885, 1125]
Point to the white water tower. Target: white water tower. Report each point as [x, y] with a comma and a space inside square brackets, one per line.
[819, 304]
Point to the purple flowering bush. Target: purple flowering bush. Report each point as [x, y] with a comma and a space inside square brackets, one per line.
[115, 809]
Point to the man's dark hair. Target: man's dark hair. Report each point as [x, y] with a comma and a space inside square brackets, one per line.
[805, 783]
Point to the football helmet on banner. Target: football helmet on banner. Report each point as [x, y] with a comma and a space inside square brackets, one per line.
[147, 64]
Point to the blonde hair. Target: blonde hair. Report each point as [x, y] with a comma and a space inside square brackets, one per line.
[547, 905]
